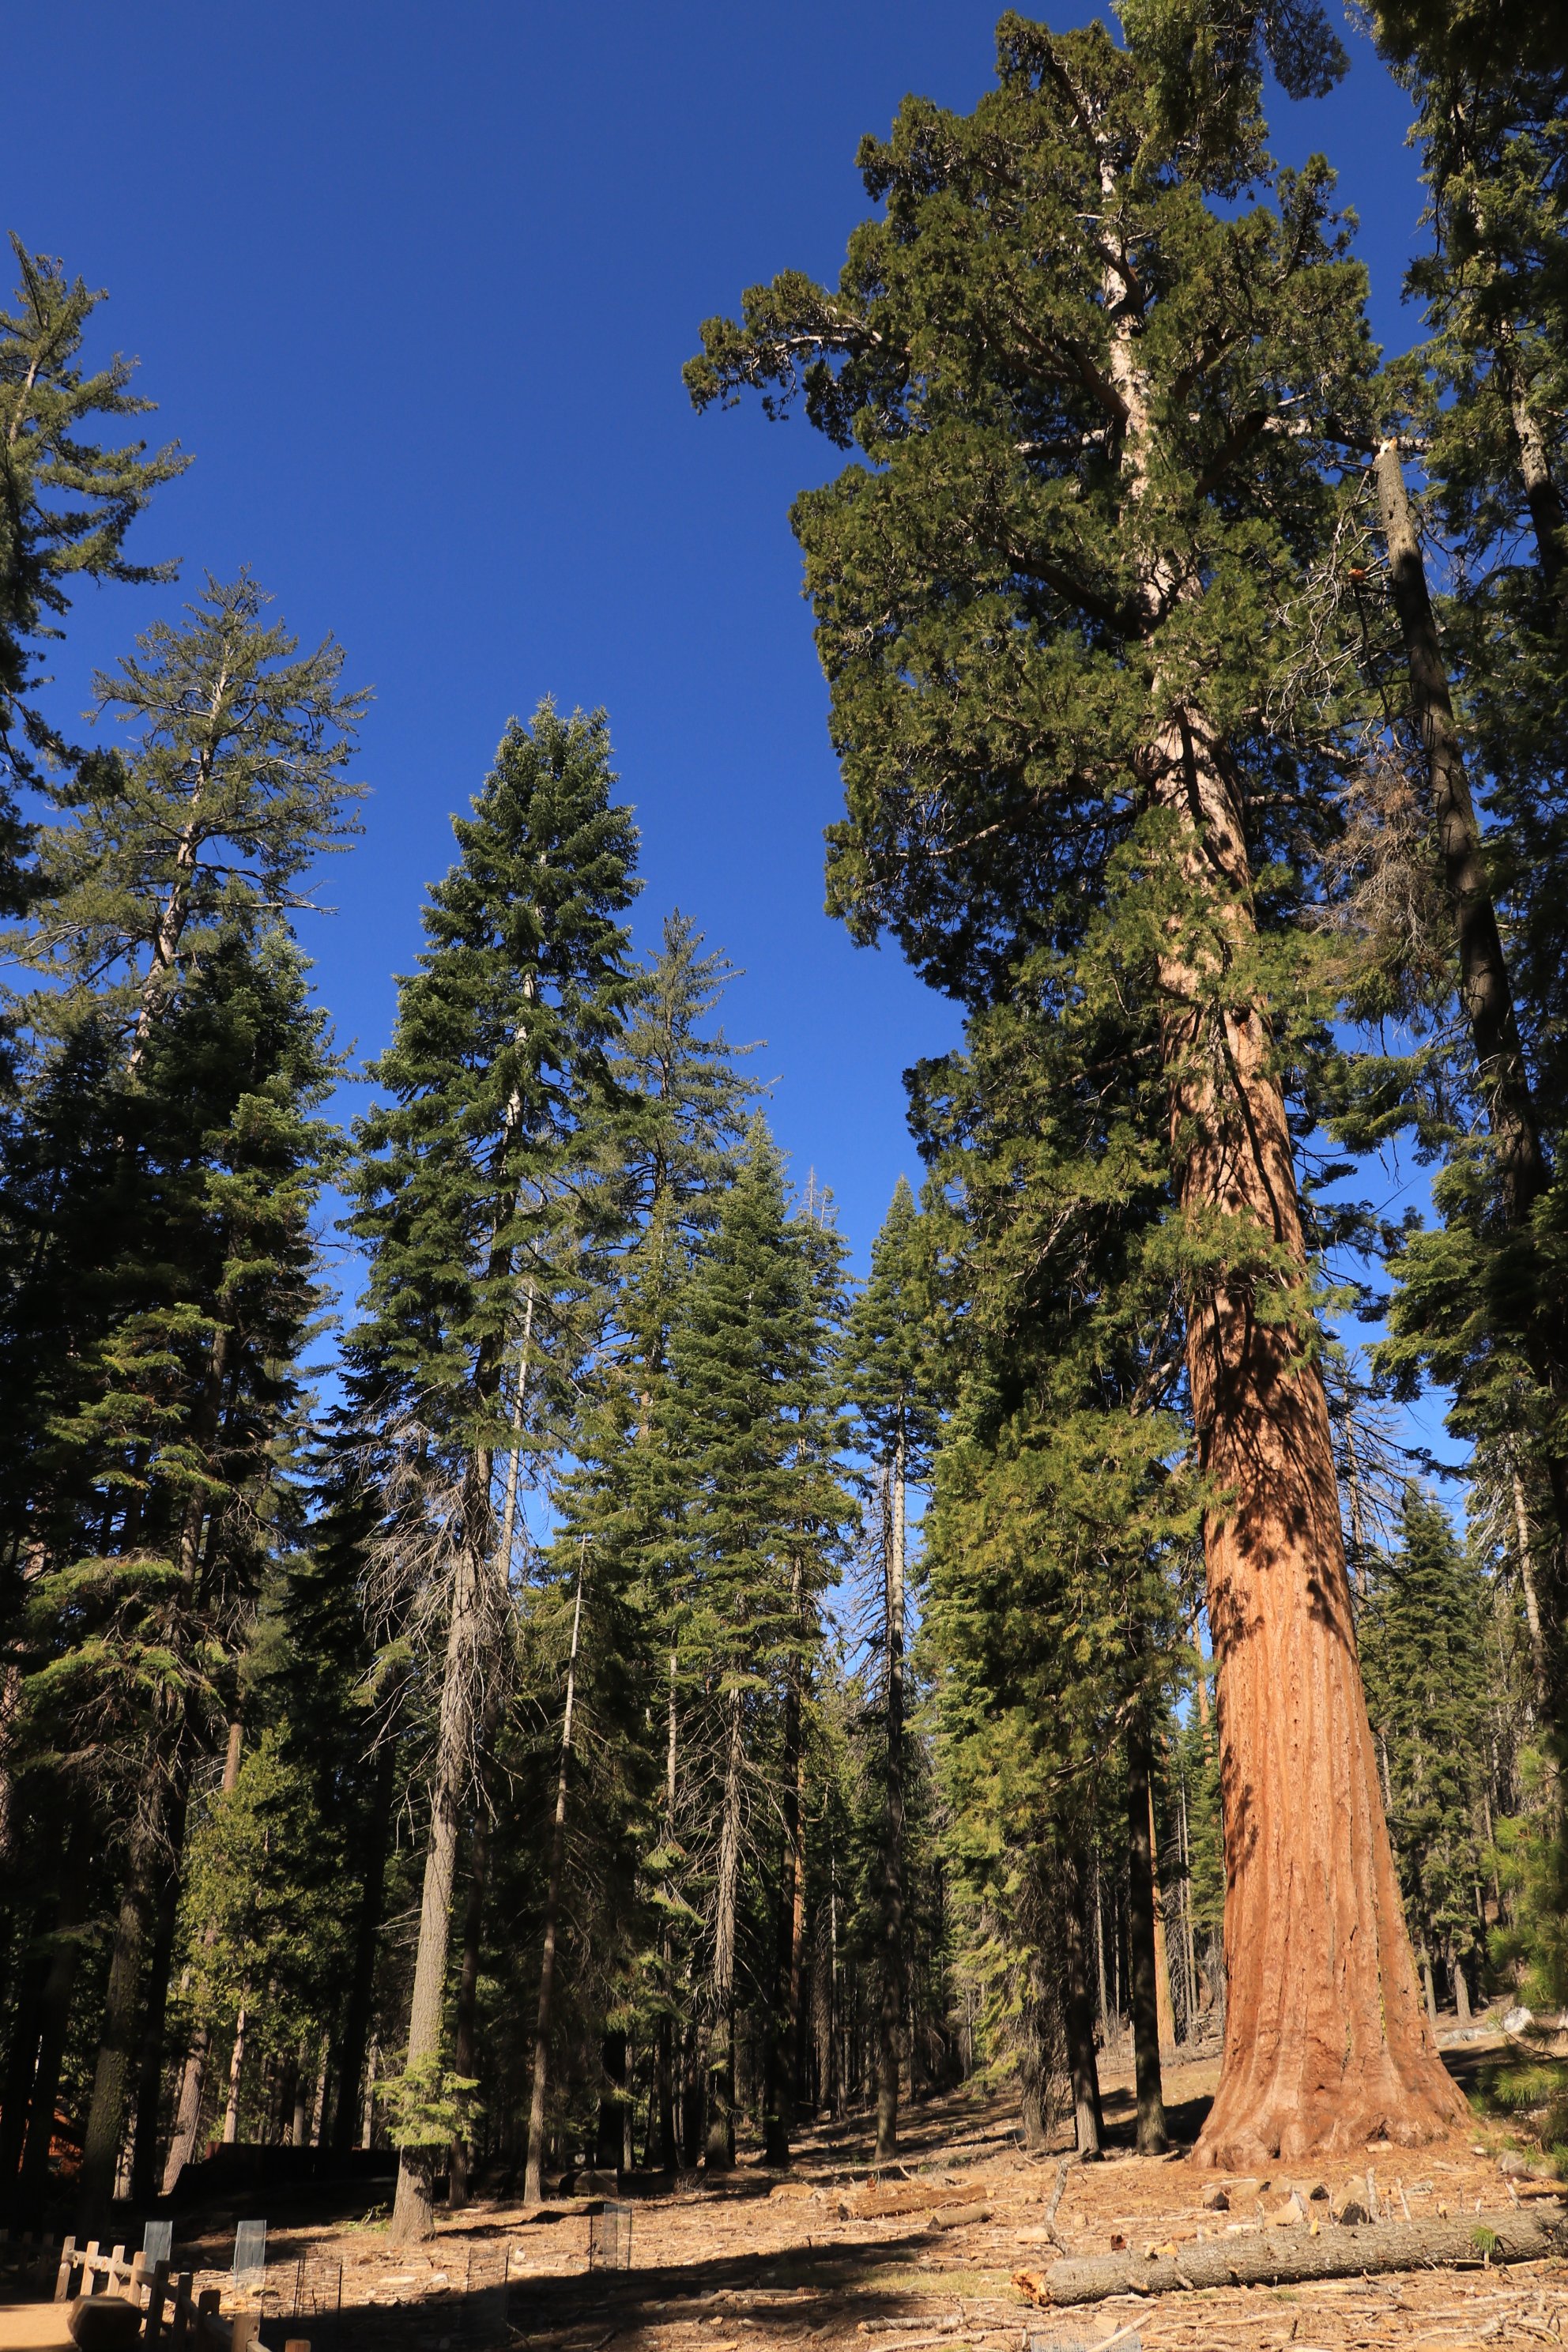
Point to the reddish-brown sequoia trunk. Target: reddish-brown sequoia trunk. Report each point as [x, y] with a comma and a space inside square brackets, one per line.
[1325, 2041]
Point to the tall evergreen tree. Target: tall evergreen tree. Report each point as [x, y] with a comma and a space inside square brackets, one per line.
[1098, 409]
[471, 1203]
[754, 1441]
[891, 1379]
[66, 505]
[1426, 1690]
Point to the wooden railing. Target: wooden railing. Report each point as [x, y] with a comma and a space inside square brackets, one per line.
[175, 2316]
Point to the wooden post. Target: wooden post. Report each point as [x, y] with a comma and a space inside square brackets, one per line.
[180, 2334]
[157, 2296]
[63, 2278]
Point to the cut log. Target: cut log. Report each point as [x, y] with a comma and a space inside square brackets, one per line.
[1277, 2258]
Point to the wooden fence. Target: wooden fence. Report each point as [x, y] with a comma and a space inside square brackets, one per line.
[174, 2314]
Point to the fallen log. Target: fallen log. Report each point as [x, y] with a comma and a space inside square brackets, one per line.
[1281, 2257]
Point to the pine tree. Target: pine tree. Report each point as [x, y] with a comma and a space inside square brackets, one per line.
[66, 507]
[754, 1441]
[1422, 1642]
[159, 1468]
[890, 1377]
[499, 1079]
[1048, 599]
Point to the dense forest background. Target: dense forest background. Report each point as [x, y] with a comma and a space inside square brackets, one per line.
[620, 1687]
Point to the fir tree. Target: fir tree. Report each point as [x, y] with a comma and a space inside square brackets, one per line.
[473, 1206]
[66, 505]
[890, 1377]
[1422, 1643]
[752, 1459]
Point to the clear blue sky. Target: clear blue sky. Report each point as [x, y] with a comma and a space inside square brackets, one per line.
[414, 285]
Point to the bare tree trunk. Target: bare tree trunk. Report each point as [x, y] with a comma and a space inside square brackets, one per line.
[1486, 994]
[1082, 2069]
[468, 1996]
[192, 2078]
[1143, 1959]
[1541, 494]
[1194, 1998]
[533, 2186]
[665, 2150]
[719, 2153]
[1164, 2006]
[54, 2020]
[780, 2052]
[413, 2211]
[367, 1931]
[1528, 1586]
[891, 2004]
[236, 2070]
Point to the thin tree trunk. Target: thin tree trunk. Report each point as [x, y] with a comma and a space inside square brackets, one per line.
[150, 2079]
[1164, 2006]
[533, 2185]
[1531, 1598]
[413, 2211]
[463, 2047]
[1084, 2072]
[21, 2064]
[1193, 1996]
[666, 2149]
[236, 2070]
[367, 1932]
[1141, 1957]
[192, 2078]
[609, 2152]
[719, 2153]
[890, 2009]
[1100, 1950]
[780, 2055]
[54, 2021]
[1541, 494]
[112, 2077]
[1486, 995]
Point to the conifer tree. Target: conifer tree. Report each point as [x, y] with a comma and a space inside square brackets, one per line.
[1098, 416]
[754, 1441]
[66, 505]
[471, 1203]
[1421, 1641]
[890, 1379]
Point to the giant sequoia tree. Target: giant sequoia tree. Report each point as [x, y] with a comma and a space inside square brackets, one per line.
[1095, 416]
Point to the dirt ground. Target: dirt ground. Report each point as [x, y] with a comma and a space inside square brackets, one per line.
[818, 2260]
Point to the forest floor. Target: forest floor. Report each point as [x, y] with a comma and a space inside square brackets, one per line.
[822, 2259]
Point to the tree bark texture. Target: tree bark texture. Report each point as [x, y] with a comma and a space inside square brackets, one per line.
[533, 2183]
[1141, 1957]
[412, 2214]
[720, 2152]
[1277, 2257]
[1082, 2070]
[891, 1990]
[463, 2039]
[1324, 2040]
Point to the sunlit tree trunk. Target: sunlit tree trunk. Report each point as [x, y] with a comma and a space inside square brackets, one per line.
[533, 2184]
[891, 1988]
[1143, 1956]
[719, 2153]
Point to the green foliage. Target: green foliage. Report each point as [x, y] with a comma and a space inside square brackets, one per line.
[65, 503]
[428, 2106]
[1423, 1651]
